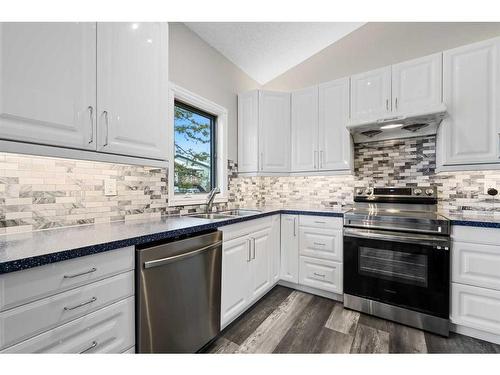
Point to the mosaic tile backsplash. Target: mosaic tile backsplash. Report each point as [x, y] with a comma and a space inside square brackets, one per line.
[40, 193]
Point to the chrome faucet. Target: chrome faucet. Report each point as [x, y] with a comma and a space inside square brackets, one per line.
[210, 199]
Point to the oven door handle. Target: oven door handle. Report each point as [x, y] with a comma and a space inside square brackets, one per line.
[436, 241]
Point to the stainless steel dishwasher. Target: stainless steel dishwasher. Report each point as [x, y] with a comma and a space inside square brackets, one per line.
[178, 294]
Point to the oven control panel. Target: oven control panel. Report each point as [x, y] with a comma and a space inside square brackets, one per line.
[394, 194]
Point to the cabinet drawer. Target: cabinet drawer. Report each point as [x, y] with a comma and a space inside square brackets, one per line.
[325, 222]
[33, 318]
[320, 274]
[487, 236]
[233, 231]
[476, 264]
[475, 307]
[321, 243]
[18, 288]
[108, 330]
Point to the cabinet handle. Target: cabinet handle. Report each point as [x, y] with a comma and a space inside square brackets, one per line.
[261, 161]
[321, 159]
[249, 256]
[396, 104]
[106, 121]
[80, 274]
[91, 114]
[320, 222]
[318, 244]
[315, 156]
[93, 299]
[319, 274]
[294, 227]
[253, 247]
[92, 346]
[387, 104]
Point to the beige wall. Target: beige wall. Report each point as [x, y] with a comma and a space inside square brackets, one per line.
[196, 66]
[378, 44]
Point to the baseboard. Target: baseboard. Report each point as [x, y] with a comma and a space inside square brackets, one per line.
[476, 333]
[317, 292]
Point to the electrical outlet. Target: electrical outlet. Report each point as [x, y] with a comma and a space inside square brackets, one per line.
[489, 184]
[110, 187]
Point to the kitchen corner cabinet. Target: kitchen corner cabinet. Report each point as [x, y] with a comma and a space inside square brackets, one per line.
[471, 90]
[290, 248]
[248, 253]
[264, 132]
[410, 87]
[320, 139]
[96, 87]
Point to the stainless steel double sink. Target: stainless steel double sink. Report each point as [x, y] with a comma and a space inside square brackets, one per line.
[229, 214]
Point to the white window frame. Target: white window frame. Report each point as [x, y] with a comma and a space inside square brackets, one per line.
[181, 94]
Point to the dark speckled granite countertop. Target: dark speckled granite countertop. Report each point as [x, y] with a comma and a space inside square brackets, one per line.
[27, 250]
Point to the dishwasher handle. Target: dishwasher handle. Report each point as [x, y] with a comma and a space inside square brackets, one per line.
[175, 258]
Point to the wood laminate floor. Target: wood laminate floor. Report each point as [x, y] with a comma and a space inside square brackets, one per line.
[289, 321]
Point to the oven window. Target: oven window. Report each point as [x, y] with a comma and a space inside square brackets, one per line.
[393, 265]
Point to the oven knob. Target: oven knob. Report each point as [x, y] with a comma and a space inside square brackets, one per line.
[429, 192]
[417, 191]
[359, 191]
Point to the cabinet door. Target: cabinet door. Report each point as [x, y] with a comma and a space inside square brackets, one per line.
[471, 92]
[48, 83]
[371, 95]
[305, 130]
[274, 131]
[260, 263]
[289, 269]
[335, 142]
[416, 84]
[248, 135]
[235, 278]
[275, 248]
[132, 85]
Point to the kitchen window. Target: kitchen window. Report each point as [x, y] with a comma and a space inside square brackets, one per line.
[194, 150]
[198, 144]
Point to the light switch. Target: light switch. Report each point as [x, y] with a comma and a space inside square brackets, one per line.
[110, 187]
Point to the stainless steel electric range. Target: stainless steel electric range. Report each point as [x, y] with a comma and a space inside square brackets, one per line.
[397, 257]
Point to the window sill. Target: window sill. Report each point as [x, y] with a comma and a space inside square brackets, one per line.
[194, 201]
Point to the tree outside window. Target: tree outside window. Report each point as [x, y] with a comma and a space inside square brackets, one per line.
[194, 159]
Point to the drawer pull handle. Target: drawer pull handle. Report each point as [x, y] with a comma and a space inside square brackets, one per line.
[320, 222]
[319, 244]
[92, 346]
[93, 299]
[80, 274]
[319, 274]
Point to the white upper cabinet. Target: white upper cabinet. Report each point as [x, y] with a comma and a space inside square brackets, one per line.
[248, 131]
[274, 131]
[371, 95]
[335, 142]
[416, 85]
[48, 83]
[471, 92]
[132, 88]
[305, 151]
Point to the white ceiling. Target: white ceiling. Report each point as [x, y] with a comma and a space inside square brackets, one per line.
[265, 50]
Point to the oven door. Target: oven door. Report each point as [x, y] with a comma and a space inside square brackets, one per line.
[403, 269]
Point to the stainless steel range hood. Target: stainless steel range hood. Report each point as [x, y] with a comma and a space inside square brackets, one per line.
[398, 126]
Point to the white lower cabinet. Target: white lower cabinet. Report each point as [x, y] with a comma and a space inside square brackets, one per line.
[247, 265]
[320, 274]
[289, 248]
[275, 248]
[109, 330]
[475, 276]
[84, 304]
[235, 278]
[475, 307]
[312, 251]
